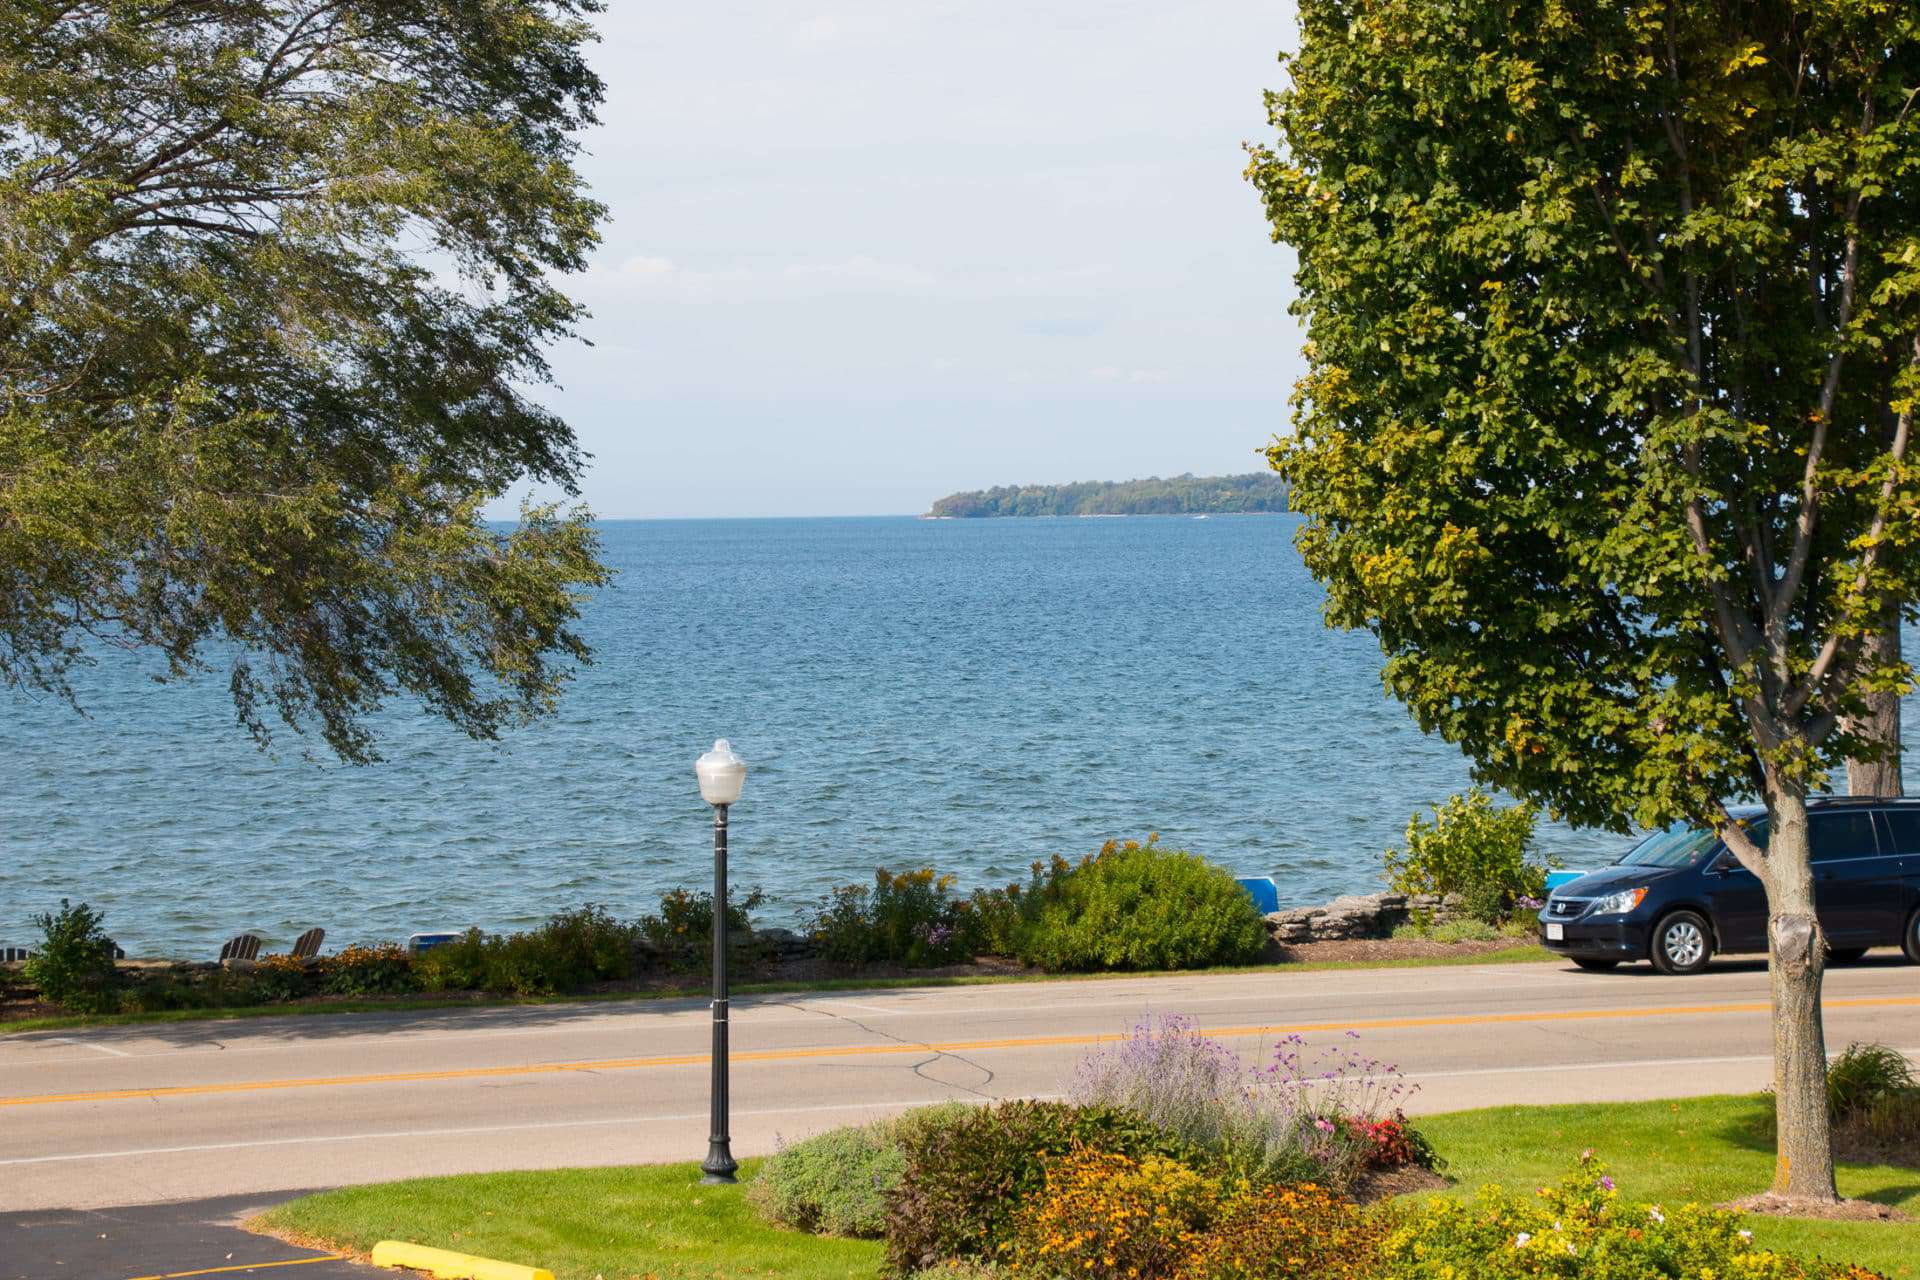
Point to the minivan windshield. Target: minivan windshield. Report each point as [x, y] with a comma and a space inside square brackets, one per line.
[1680, 845]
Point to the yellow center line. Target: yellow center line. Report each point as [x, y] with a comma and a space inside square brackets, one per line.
[251, 1266]
[959, 1046]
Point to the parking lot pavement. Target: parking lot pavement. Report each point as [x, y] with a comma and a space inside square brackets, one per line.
[158, 1242]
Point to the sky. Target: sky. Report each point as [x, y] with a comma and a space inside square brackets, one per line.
[864, 254]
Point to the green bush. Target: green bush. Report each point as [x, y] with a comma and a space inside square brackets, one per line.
[682, 930]
[1583, 1230]
[1875, 1101]
[570, 952]
[1001, 918]
[966, 1175]
[909, 918]
[1473, 851]
[74, 966]
[1865, 1076]
[277, 979]
[838, 1183]
[460, 965]
[384, 968]
[1138, 906]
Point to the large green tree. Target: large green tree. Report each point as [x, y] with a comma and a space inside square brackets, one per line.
[275, 276]
[1613, 319]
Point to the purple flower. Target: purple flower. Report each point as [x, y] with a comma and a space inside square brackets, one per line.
[1606, 1182]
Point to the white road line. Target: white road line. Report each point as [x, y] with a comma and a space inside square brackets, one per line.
[1606, 1066]
[601, 1122]
[88, 1044]
[828, 1007]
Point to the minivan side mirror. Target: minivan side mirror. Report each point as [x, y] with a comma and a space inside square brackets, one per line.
[1724, 862]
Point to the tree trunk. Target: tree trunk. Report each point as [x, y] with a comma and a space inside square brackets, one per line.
[1796, 964]
[1881, 723]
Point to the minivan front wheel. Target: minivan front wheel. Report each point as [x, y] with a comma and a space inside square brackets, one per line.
[1682, 944]
[1910, 943]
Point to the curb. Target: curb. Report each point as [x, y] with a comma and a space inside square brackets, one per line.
[448, 1265]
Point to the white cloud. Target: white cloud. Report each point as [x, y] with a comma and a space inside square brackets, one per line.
[653, 268]
[860, 271]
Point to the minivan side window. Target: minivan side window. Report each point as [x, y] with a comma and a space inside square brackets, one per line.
[1904, 824]
[1838, 836]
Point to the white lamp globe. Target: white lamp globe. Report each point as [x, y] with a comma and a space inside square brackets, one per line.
[721, 774]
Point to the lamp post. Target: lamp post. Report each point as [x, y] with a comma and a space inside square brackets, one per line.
[721, 774]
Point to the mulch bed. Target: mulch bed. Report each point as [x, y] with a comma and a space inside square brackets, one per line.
[1385, 1184]
[1826, 1210]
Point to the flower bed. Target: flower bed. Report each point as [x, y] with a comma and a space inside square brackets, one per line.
[1175, 1160]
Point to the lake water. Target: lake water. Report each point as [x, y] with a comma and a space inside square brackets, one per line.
[970, 695]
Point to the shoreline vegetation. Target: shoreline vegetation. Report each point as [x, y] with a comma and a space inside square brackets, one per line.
[1257, 493]
[22, 1014]
[1130, 907]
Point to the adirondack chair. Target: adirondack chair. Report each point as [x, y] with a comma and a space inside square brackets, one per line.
[307, 945]
[244, 947]
[16, 953]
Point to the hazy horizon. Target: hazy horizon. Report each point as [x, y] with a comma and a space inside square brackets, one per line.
[863, 256]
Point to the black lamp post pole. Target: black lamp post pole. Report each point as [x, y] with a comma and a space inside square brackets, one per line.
[719, 1166]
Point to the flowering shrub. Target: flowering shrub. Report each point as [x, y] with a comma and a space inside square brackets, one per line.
[1111, 1217]
[967, 1175]
[1582, 1230]
[1323, 1116]
[1138, 906]
[909, 918]
[1002, 917]
[1473, 850]
[280, 978]
[380, 969]
[1391, 1143]
[682, 930]
[1300, 1232]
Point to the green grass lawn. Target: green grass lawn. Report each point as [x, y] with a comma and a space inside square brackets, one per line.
[651, 1220]
[1711, 1150]
[658, 1221]
[1520, 952]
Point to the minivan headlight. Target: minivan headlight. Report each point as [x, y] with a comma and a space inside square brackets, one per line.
[1619, 904]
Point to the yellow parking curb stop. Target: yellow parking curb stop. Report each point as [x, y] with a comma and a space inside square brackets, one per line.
[448, 1265]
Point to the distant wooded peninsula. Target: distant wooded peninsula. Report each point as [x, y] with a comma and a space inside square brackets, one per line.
[1175, 496]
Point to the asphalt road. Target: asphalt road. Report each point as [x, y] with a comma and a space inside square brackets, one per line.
[140, 1114]
[159, 1242]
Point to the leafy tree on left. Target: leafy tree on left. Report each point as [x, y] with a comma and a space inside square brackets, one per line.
[274, 275]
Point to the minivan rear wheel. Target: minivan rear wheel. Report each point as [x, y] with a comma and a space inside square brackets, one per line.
[1682, 944]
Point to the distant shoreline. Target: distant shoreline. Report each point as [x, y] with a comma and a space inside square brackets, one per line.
[1257, 493]
[1095, 515]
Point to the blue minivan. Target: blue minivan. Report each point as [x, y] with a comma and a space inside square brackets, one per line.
[1680, 896]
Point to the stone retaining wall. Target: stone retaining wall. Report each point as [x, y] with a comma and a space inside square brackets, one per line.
[1371, 915]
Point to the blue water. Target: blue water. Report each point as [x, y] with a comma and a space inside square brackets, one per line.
[970, 695]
